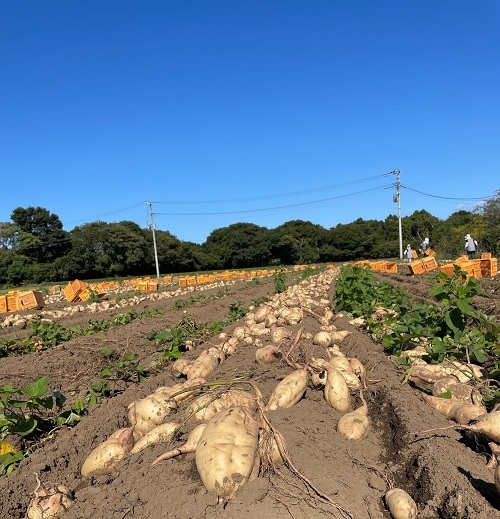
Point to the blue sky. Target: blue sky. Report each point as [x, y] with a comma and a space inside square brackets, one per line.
[226, 111]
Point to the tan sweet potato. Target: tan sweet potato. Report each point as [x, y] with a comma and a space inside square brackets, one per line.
[289, 391]
[208, 405]
[227, 451]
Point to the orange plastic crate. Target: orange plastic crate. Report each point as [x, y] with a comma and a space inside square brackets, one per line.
[417, 267]
[447, 269]
[486, 255]
[12, 302]
[3, 304]
[30, 300]
[430, 264]
[489, 267]
[430, 252]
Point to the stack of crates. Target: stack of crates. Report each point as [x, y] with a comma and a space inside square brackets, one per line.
[73, 290]
[30, 300]
[96, 288]
[15, 301]
[488, 266]
[470, 267]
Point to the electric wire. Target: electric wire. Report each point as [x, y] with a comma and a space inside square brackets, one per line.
[275, 196]
[446, 197]
[276, 207]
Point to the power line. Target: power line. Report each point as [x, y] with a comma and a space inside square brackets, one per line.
[278, 207]
[271, 197]
[121, 210]
[446, 197]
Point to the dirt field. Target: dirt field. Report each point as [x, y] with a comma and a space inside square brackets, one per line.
[445, 473]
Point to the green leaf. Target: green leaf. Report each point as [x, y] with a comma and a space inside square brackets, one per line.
[480, 356]
[455, 320]
[25, 427]
[38, 388]
[68, 418]
[106, 373]
[465, 307]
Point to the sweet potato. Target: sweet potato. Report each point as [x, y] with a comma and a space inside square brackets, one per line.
[106, 456]
[162, 433]
[203, 366]
[147, 413]
[354, 425]
[267, 354]
[445, 406]
[464, 413]
[227, 452]
[49, 502]
[189, 446]
[336, 390]
[400, 504]
[489, 425]
[289, 391]
[208, 405]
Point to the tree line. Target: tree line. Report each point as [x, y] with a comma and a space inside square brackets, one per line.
[35, 248]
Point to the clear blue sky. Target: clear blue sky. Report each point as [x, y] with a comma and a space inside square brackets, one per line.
[263, 110]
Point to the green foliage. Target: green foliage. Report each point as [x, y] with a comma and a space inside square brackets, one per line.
[358, 293]
[451, 329]
[279, 281]
[93, 297]
[171, 342]
[49, 333]
[31, 413]
[119, 370]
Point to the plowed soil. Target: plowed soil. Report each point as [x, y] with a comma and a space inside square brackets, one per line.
[444, 472]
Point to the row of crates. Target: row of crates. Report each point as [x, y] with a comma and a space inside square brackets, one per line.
[486, 266]
[379, 266]
[16, 301]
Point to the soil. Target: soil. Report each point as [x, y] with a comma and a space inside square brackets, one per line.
[444, 471]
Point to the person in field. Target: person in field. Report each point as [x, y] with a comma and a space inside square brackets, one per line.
[424, 246]
[409, 253]
[470, 246]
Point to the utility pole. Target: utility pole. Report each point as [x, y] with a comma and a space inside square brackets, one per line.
[397, 198]
[153, 228]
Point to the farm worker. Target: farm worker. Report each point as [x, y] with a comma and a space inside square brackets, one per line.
[425, 245]
[470, 246]
[409, 253]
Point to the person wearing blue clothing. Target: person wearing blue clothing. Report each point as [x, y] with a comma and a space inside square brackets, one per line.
[470, 246]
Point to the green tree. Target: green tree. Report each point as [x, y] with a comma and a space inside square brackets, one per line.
[41, 236]
[103, 249]
[298, 242]
[491, 213]
[241, 245]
